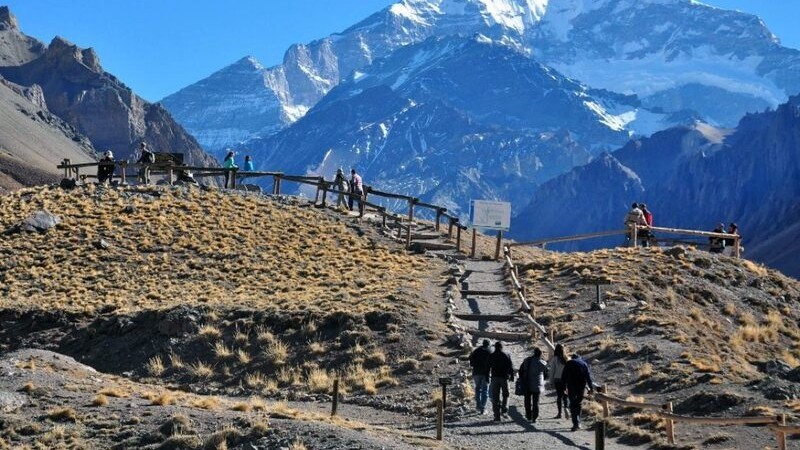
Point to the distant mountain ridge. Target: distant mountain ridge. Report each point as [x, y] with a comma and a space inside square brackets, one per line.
[690, 177]
[676, 55]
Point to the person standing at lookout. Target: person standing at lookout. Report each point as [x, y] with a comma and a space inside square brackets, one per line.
[105, 170]
[556, 367]
[248, 164]
[146, 158]
[532, 374]
[578, 378]
[634, 218]
[229, 163]
[356, 188]
[341, 185]
[646, 235]
[501, 369]
[479, 361]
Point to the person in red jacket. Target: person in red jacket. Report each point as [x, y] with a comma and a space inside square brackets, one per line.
[646, 235]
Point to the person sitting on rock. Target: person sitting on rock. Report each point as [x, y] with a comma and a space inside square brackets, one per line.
[105, 170]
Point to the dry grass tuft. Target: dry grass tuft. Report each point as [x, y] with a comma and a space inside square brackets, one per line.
[201, 370]
[113, 392]
[155, 366]
[63, 414]
[164, 399]
[277, 352]
[100, 400]
[205, 403]
[318, 381]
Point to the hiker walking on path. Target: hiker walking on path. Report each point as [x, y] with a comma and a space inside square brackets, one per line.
[556, 367]
[502, 371]
[717, 244]
[634, 218]
[146, 158]
[105, 171]
[577, 377]
[229, 163]
[479, 361]
[341, 185]
[356, 187]
[532, 374]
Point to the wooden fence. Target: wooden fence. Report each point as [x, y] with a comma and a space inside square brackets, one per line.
[635, 232]
[403, 223]
[777, 424]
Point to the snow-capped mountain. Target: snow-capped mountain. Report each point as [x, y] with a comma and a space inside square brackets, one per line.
[676, 55]
[415, 123]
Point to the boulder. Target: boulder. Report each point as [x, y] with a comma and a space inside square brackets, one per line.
[775, 368]
[709, 402]
[41, 221]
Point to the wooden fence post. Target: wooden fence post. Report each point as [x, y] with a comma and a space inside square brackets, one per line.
[552, 336]
[123, 165]
[439, 419]
[438, 218]
[450, 229]
[499, 244]
[600, 435]
[604, 390]
[411, 202]
[780, 436]
[65, 163]
[458, 239]
[171, 179]
[324, 193]
[320, 180]
[635, 236]
[737, 251]
[670, 424]
[335, 404]
[474, 238]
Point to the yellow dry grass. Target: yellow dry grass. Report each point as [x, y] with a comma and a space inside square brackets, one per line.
[194, 247]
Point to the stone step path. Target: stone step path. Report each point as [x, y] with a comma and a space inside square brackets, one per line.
[486, 305]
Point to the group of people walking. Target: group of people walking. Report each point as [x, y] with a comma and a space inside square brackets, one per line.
[493, 370]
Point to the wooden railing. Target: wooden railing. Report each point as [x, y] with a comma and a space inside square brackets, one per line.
[323, 188]
[635, 233]
[775, 423]
[538, 331]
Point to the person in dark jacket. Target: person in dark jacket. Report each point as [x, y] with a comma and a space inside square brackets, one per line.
[479, 361]
[105, 170]
[501, 369]
[532, 374]
[577, 377]
[146, 158]
[717, 244]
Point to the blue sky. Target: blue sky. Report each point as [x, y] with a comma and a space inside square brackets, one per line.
[159, 46]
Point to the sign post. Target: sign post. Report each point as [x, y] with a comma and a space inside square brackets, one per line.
[491, 215]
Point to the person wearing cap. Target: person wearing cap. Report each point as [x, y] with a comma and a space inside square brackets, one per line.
[578, 378]
[146, 158]
[479, 361]
[717, 244]
[341, 185]
[501, 370]
[105, 170]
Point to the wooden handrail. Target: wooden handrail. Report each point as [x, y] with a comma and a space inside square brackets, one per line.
[627, 403]
[722, 421]
[526, 307]
[577, 237]
[391, 195]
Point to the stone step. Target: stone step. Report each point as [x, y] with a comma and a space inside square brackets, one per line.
[477, 292]
[488, 317]
[501, 335]
[429, 245]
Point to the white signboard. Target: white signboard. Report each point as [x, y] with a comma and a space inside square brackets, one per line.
[490, 215]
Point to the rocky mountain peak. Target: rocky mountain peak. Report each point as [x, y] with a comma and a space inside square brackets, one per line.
[7, 20]
[61, 50]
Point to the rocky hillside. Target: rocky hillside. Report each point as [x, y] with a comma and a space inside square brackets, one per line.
[75, 88]
[676, 55]
[34, 141]
[713, 335]
[691, 177]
